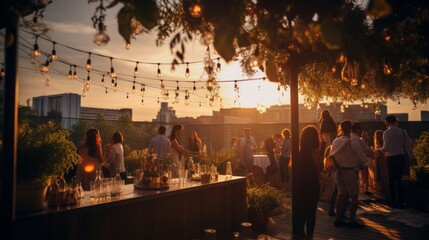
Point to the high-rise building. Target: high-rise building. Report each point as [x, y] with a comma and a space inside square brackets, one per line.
[424, 115]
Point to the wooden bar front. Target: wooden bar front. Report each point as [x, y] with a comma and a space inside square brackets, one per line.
[181, 212]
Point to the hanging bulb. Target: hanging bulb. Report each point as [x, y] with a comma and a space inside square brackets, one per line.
[334, 69]
[88, 62]
[112, 73]
[136, 69]
[162, 88]
[387, 69]
[48, 80]
[342, 58]
[200, 104]
[53, 56]
[399, 102]
[115, 86]
[101, 38]
[278, 87]
[218, 66]
[177, 86]
[196, 9]
[142, 89]
[235, 86]
[106, 91]
[45, 68]
[210, 84]
[142, 101]
[342, 108]
[158, 72]
[254, 61]
[363, 86]
[187, 70]
[166, 95]
[127, 46]
[36, 51]
[127, 96]
[194, 89]
[102, 80]
[134, 84]
[70, 76]
[157, 100]
[113, 82]
[366, 105]
[354, 82]
[74, 72]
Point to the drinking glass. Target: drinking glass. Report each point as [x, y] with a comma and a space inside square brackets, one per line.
[228, 171]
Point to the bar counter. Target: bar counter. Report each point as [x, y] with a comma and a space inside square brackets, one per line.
[181, 212]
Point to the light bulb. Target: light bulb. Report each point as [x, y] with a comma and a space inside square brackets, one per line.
[36, 51]
[195, 9]
[342, 58]
[101, 38]
[53, 56]
[102, 80]
[387, 69]
[112, 73]
[88, 64]
[48, 80]
[363, 86]
[254, 61]
[136, 69]
[187, 70]
[127, 46]
[334, 69]
[158, 72]
[354, 82]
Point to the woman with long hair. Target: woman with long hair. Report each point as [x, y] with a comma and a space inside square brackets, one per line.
[195, 144]
[177, 151]
[382, 173]
[307, 177]
[115, 156]
[92, 158]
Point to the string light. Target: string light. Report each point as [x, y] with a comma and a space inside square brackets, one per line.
[127, 46]
[200, 104]
[136, 69]
[142, 101]
[115, 86]
[196, 9]
[88, 62]
[36, 51]
[235, 86]
[106, 91]
[157, 100]
[177, 86]
[162, 87]
[387, 69]
[158, 72]
[399, 102]
[187, 74]
[48, 80]
[194, 89]
[142, 89]
[127, 96]
[70, 76]
[112, 73]
[53, 56]
[218, 66]
[74, 72]
[113, 82]
[45, 67]
[102, 80]
[134, 84]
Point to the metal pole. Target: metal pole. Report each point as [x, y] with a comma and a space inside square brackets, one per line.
[295, 143]
[10, 126]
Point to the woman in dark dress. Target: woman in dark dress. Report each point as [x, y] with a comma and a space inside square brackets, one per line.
[269, 148]
[195, 145]
[328, 129]
[307, 177]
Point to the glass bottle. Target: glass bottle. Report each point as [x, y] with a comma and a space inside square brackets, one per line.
[228, 171]
[98, 182]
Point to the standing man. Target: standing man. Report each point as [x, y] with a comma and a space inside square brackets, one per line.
[246, 147]
[396, 142]
[347, 156]
[160, 144]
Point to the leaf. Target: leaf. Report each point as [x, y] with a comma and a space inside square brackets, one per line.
[271, 69]
[331, 33]
[146, 12]
[124, 23]
[223, 42]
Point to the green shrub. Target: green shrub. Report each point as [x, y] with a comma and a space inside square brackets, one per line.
[264, 199]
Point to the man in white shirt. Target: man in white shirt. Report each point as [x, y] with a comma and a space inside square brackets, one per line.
[347, 155]
[246, 147]
[160, 144]
[396, 142]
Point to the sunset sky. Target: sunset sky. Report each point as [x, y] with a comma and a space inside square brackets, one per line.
[70, 24]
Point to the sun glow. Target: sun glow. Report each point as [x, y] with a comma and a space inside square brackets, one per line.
[89, 168]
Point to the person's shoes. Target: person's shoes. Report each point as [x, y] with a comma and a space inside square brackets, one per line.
[354, 224]
[340, 223]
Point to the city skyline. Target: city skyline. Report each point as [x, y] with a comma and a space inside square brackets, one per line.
[76, 30]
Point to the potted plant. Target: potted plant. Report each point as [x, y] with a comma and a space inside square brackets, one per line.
[420, 193]
[44, 153]
[262, 201]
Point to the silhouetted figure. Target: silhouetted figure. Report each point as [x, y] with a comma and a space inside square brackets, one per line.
[308, 182]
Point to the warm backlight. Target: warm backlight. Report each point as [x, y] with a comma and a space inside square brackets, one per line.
[89, 168]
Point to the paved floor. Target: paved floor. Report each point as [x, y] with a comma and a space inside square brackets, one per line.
[381, 222]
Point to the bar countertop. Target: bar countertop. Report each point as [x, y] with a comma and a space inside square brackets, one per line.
[131, 195]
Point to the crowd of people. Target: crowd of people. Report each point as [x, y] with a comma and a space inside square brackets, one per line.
[334, 164]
